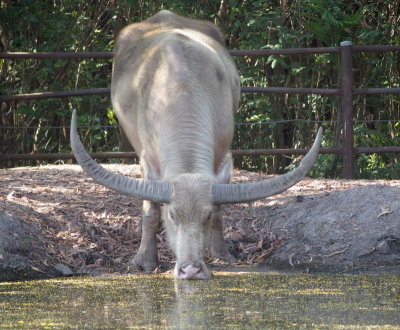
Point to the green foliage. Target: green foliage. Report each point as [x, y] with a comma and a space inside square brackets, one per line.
[263, 121]
[331, 21]
[378, 166]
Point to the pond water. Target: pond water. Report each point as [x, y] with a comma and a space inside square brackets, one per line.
[240, 301]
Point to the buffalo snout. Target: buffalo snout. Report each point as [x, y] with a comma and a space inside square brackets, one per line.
[192, 271]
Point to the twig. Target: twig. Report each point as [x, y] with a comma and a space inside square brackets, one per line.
[335, 253]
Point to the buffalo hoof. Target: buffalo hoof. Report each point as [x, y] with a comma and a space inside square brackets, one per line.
[143, 263]
[223, 254]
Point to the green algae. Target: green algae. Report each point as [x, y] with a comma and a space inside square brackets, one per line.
[242, 301]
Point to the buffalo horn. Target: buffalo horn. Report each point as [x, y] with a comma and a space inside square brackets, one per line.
[246, 192]
[156, 191]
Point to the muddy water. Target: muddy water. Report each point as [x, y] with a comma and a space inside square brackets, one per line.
[227, 300]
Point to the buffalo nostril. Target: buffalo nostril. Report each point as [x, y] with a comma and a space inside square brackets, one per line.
[190, 271]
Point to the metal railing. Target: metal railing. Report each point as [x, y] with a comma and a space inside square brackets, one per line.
[346, 92]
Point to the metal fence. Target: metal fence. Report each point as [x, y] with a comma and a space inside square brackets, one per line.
[346, 92]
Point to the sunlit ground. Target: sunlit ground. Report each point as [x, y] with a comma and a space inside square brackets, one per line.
[227, 300]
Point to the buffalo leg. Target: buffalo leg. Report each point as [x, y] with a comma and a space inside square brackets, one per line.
[217, 246]
[147, 258]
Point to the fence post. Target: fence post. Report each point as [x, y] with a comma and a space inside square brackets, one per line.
[347, 108]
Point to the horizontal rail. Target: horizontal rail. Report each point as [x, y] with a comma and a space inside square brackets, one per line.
[269, 152]
[238, 52]
[50, 95]
[292, 51]
[252, 152]
[99, 155]
[288, 90]
[103, 91]
[310, 51]
[55, 55]
[264, 90]
[233, 52]
[330, 151]
[370, 91]
[321, 91]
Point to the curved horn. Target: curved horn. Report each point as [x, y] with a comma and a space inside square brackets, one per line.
[245, 192]
[156, 191]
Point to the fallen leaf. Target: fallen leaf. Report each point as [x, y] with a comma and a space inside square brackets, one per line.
[260, 243]
[291, 260]
[385, 210]
[37, 269]
[264, 255]
[10, 196]
[277, 242]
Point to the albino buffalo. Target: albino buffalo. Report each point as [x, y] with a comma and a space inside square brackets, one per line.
[175, 89]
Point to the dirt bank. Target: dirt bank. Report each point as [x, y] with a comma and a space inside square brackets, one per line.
[62, 222]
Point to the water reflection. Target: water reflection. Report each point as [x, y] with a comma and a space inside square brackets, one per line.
[241, 300]
[191, 309]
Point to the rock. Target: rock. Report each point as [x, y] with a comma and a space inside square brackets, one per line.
[341, 231]
[64, 270]
[388, 244]
[19, 240]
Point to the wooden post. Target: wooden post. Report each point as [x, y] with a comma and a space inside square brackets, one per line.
[347, 109]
